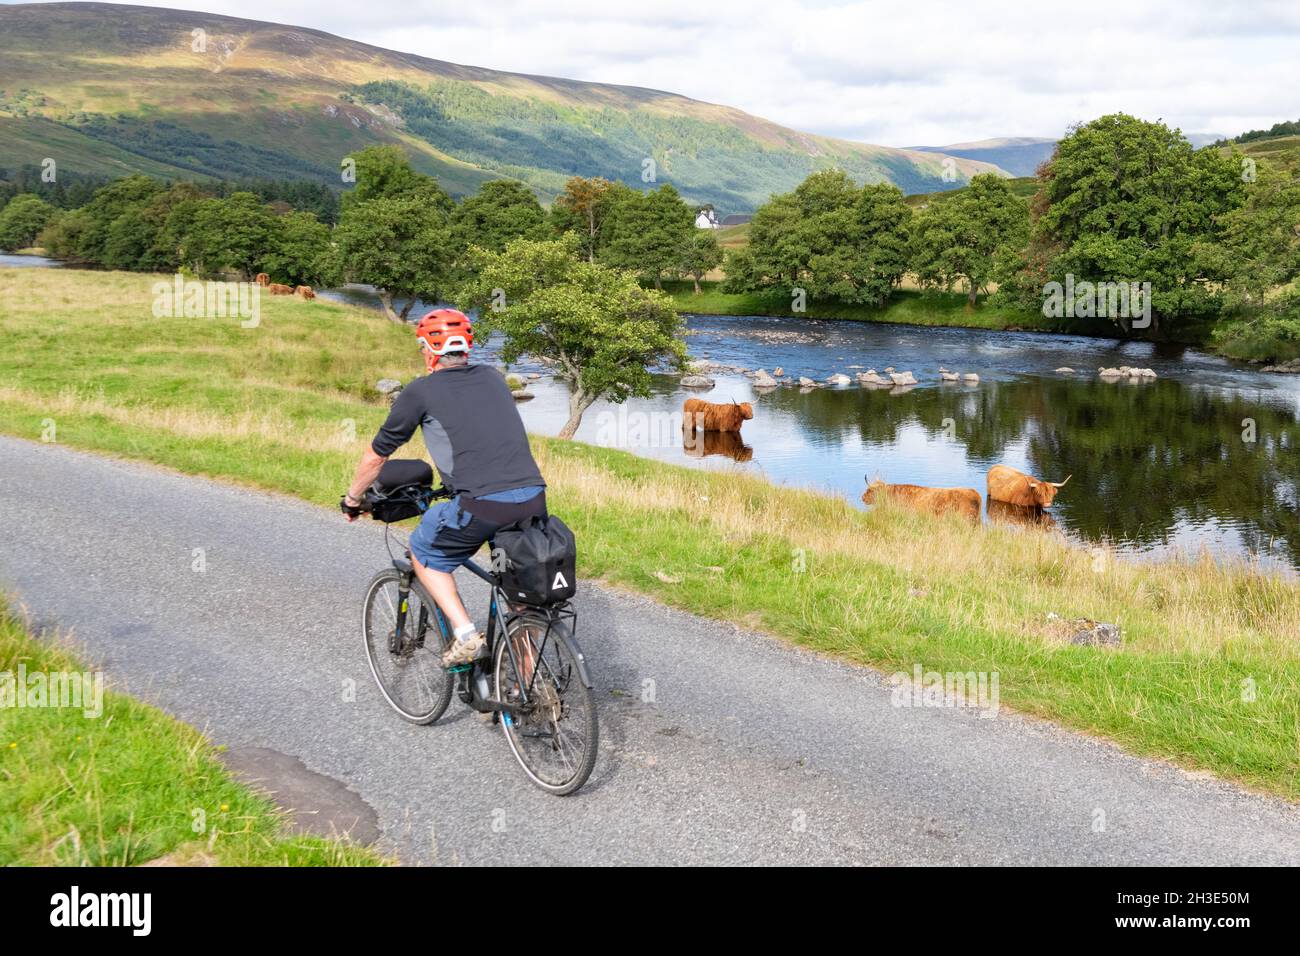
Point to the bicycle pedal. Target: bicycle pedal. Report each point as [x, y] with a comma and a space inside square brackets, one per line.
[460, 668]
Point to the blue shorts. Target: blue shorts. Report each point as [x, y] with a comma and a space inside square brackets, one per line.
[448, 535]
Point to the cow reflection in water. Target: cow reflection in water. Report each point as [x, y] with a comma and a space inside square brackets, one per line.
[730, 444]
[1026, 515]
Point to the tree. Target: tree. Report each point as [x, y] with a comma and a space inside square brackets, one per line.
[969, 236]
[596, 325]
[502, 210]
[299, 248]
[699, 254]
[403, 247]
[231, 233]
[384, 172]
[830, 238]
[1124, 200]
[22, 219]
[105, 207]
[1257, 248]
[647, 232]
[583, 208]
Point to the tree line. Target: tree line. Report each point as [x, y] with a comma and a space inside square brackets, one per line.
[397, 229]
[1216, 233]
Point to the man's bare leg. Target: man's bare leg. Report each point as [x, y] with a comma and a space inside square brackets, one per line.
[442, 588]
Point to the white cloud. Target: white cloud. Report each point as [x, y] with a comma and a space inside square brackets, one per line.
[896, 73]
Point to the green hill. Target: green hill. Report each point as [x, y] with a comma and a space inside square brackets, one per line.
[103, 88]
[1018, 155]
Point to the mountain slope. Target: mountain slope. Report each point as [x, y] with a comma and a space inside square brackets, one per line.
[1018, 155]
[250, 98]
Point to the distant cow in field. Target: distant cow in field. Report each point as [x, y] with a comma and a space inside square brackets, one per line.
[306, 291]
[276, 289]
[937, 501]
[712, 417]
[1017, 488]
[263, 279]
[728, 444]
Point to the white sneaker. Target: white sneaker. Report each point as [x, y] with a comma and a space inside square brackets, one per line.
[464, 650]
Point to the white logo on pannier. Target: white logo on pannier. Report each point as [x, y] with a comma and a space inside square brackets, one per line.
[559, 581]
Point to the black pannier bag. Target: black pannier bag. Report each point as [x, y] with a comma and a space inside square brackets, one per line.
[536, 561]
[401, 491]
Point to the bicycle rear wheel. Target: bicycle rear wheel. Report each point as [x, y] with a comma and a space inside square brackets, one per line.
[410, 676]
[555, 738]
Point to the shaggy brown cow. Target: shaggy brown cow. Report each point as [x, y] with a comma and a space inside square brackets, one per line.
[276, 289]
[697, 413]
[1017, 488]
[306, 291]
[263, 279]
[938, 501]
[728, 444]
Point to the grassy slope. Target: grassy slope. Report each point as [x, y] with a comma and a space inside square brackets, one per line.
[122, 788]
[27, 142]
[277, 87]
[265, 406]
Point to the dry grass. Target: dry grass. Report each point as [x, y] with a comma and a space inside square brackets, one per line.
[269, 408]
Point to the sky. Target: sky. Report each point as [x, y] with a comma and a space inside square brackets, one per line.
[902, 73]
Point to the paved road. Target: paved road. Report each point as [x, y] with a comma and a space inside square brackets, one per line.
[751, 752]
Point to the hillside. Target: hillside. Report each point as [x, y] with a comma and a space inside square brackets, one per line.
[1020, 155]
[100, 87]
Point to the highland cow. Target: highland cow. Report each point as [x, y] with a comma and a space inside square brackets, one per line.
[712, 417]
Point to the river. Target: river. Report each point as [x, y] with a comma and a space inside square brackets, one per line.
[1203, 458]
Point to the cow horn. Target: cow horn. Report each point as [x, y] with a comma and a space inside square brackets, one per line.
[1061, 484]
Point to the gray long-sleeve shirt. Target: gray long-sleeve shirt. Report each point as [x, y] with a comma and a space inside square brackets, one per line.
[471, 427]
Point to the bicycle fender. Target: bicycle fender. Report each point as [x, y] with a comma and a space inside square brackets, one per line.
[572, 645]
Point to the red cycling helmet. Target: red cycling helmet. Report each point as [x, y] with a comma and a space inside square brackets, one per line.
[443, 331]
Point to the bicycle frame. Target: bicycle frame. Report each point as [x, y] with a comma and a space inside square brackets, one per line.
[497, 628]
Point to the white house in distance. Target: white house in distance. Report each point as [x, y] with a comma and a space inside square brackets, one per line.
[706, 218]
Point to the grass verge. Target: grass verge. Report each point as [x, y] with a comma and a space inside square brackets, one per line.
[126, 785]
[1208, 675]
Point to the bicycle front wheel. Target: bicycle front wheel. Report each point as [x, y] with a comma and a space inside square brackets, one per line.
[554, 737]
[409, 673]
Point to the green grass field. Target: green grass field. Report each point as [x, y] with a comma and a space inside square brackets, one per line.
[267, 407]
[127, 786]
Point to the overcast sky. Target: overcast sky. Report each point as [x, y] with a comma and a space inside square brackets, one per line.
[900, 73]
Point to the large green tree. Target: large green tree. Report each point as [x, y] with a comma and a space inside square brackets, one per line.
[22, 219]
[402, 246]
[829, 237]
[646, 233]
[234, 233]
[299, 248]
[1125, 200]
[969, 237]
[501, 210]
[595, 325]
[385, 172]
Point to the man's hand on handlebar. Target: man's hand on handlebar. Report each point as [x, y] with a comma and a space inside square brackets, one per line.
[351, 507]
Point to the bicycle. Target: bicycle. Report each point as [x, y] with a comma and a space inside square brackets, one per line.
[533, 678]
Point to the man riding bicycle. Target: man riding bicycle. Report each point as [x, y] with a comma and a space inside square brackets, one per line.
[477, 441]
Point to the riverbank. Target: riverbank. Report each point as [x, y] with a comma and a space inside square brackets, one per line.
[120, 783]
[912, 307]
[288, 406]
